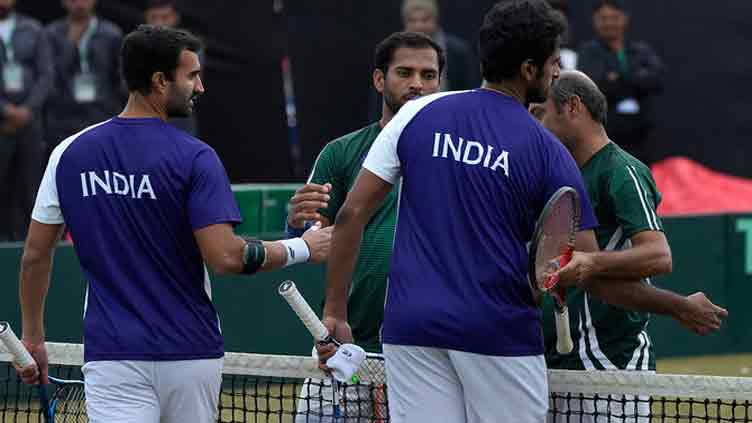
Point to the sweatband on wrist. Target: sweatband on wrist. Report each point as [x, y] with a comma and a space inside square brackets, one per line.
[297, 251]
[254, 256]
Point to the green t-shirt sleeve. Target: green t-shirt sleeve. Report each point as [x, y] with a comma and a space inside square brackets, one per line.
[634, 199]
[327, 169]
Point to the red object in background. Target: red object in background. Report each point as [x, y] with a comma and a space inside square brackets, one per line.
[691, 188]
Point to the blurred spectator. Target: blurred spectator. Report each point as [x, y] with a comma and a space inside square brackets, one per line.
[461, 70]
[27, 75]
[88, 88]
[628, 72]
[568, 56]
[162, 13]
[165, 13]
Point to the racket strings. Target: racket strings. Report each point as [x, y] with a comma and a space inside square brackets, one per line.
[70, 404]
[556, 239]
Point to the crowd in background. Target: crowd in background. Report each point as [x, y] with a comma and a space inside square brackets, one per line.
[58, 79]
[55, 81]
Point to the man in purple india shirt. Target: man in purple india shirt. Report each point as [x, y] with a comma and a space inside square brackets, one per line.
[147, 205]
[461, 328]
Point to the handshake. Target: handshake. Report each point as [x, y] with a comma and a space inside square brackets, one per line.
[303, 210]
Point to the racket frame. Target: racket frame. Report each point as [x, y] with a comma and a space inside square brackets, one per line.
[564, 344]
[22, 357]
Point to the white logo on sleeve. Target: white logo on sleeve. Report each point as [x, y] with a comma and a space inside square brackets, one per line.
[470, 152]
[114, 183]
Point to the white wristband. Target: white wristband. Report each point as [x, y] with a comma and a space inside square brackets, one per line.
[297, 251]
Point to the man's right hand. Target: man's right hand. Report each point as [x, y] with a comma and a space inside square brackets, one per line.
[36, 373]
[319, 241]
[305, 204]
[700, 315]
[339, 330]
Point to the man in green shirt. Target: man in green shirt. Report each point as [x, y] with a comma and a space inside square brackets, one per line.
[608, 319]
[407, 65]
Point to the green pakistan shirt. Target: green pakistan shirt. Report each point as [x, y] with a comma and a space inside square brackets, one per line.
[339, 164]
[624, 197]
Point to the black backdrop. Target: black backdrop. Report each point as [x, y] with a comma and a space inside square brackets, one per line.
[703, 111]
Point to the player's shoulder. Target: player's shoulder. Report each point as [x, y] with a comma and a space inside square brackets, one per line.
[362, 135]
[81, 136]
[414, 107]
[619, 164]
[110, 28]
[27, 22]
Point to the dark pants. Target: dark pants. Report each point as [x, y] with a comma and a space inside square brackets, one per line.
[21, 167]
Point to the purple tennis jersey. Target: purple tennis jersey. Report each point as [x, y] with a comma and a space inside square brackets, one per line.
[132, 191]
[476, 172]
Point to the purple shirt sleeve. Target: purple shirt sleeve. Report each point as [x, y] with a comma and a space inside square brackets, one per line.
[210, 199]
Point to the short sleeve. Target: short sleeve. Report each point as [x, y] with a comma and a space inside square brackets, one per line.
[563, 171]
[382, 159]
[634, 199]
[327, 169]
[47, 205]
[210, 197]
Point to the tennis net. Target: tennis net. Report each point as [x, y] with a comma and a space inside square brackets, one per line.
[290, 389]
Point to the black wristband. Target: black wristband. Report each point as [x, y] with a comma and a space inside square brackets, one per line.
[254, 255]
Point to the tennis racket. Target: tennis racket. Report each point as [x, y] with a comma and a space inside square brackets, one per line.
[320, 333]
[62, 401]
[551, 249]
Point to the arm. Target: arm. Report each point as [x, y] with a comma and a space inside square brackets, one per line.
[649, 256]
[224, 251]
[647, 70]
[694, 312]
[361, 203]
[36, 265]
[45, 69]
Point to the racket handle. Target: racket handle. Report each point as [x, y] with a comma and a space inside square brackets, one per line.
[14, 346]
[300, 306]
[564, 344]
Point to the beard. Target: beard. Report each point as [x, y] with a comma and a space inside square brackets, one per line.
[5, 12]
[538, 92]
[180, 104]
[393, 103]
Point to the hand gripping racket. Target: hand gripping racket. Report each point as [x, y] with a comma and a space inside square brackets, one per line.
[320, 333]
[551, 249]
[67, 402]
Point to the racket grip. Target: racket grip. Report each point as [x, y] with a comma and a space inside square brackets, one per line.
[300, 306]
[564, 344]
[14, 346]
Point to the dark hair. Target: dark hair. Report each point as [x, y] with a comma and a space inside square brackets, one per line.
[514, 31]
[154, 4]
[569, 85]
[383, 55]
[616, 4]
[150, 49]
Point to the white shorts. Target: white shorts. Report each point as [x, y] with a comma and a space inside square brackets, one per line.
[358, 404]
[446, 386]
[153, 391]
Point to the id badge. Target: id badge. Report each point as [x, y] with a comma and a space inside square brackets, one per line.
[84, 88]
[13, 77]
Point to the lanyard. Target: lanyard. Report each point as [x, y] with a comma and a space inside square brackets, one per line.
[83, 44]
[621, 55]
[7, 37]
